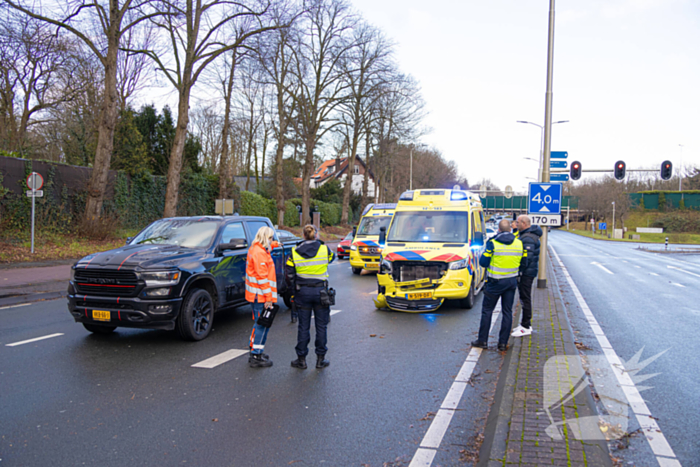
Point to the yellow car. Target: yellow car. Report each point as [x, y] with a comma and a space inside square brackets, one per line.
[432, 251]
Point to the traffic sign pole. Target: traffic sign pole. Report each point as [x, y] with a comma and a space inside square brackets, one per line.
[34, 182]
[33, 202]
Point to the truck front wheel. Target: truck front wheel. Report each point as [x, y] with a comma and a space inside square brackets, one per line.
[468, 301]
[356, 270]
[196, 316]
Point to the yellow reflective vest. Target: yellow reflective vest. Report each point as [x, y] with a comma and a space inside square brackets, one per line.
[505, 259]
[311, 269]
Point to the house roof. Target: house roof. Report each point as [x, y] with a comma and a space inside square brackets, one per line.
[323, 173]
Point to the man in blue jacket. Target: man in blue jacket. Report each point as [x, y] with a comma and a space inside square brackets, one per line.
[504, 260]
[530, 236]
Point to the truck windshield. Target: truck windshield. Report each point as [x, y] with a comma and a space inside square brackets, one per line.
[371, 225]
[189, 233]
[432, 226]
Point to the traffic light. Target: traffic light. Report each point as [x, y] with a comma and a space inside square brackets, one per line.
[575, 171]
[666, 170]
[620, 168]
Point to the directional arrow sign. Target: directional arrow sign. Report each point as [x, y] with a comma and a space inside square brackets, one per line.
[544, 198]
[558, 155]
[559, 177]
[558, 164]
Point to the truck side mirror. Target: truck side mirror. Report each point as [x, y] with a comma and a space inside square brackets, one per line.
[235, 244]
[128, 240]
[382, 235]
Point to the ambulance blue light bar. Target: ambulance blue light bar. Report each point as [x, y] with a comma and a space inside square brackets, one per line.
[406, 196]
[459, 196]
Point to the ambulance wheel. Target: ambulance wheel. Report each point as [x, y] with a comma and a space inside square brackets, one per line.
[99, 329]
[357, 271]
[196, 315]
[468, 302]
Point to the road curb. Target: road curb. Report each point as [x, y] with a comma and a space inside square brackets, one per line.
[19, 299]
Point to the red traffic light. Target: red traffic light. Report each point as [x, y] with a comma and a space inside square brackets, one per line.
[575, 171]
[666, 170]
[620, 169]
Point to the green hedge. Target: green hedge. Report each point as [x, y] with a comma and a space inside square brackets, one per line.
[253, 204]
[688, 222]
[330, 212]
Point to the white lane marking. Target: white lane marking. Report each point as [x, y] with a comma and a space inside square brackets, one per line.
[638, 267]
[14, 306]
[603, 267]
[34, 340]
[333, 312]
[217, 360]
[624, 261]
[657, 441]
[677, 284]
[683, 270]
[438, 427]
[653, 274]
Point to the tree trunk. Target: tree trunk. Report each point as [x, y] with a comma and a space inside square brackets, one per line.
[306, 181]
[176, 153]
[247, 161]
[224, 165]
[279, 159]
[105, 137]
[347, 190]
[365, 182]
[255, 157]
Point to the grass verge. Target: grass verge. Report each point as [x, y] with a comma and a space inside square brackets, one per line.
[683, 238]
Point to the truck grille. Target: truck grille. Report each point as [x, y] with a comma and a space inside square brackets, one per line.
[106, 282]
[405, 271]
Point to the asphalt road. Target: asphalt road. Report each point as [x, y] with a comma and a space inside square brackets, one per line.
[133, 397]
[648, 302]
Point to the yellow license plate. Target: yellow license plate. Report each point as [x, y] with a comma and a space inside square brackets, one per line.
[101, 315]
[371, 265]
[418, 296]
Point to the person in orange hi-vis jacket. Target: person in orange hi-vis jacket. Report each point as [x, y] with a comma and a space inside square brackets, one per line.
[260, 291]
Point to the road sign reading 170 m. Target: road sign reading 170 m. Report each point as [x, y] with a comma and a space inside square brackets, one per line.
[544, 198]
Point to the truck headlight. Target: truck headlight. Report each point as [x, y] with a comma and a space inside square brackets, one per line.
[461, 264]
[161, 278]
[386, 267]
[353, 247]
[160, 292]
[72, 274]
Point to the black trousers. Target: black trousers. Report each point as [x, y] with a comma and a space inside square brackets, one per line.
[525, 291]
[308, 299]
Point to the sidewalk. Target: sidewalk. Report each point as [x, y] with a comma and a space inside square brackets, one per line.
[528, 414]
[27, 284]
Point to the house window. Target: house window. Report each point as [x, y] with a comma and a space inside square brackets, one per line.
[357, 169]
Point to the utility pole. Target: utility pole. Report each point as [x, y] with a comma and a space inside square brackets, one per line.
[544, 176]
[410, 181]
[613, 229]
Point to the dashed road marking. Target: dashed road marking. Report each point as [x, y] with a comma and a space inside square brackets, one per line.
[14, 306]
[683, 270]
[334, 312]
[653, 274]
[603, 267]
[677, 284]
[217, 360]
[28, 341]
[438, 427]
[656, 439]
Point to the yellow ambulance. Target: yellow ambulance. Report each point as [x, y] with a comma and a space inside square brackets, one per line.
[432, 251]
[365, 249]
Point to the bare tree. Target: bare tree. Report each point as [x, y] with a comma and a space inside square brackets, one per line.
[318, 52]
[100, 25]
[197, 36]
[365, 69]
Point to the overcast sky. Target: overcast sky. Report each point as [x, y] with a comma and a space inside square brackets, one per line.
[626, 76]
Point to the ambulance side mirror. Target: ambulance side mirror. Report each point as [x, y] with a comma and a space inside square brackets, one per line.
[478, 239]
[382, 235]
[354, 231]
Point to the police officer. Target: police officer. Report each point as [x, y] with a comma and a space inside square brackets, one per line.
[503, 259]
[307, 271]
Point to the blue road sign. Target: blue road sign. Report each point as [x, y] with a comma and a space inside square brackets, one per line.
[559, 177]
[544, 198]
[558, 155]
[602, 226]
[558, 164]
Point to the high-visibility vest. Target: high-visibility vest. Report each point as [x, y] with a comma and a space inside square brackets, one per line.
[260, 275]
[505, 259]
[312, 268]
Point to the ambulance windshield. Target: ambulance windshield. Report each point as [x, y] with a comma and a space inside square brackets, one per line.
[433, 226]
[370, 225]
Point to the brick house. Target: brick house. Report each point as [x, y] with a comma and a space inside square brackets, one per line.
[338, 169]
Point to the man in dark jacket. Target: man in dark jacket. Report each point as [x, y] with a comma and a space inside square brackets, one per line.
[307, 271]
[530, 236]
[504, 260]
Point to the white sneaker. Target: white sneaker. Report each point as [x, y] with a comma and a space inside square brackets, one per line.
[517, 329]
[521, 332]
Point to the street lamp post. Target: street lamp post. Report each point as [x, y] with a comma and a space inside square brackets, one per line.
[410, 181]
[613, 229]
[680, 170]
[541, 168]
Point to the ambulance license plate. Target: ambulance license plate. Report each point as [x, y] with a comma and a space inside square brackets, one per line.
[101, 315]
[371, 265]
[418, 296]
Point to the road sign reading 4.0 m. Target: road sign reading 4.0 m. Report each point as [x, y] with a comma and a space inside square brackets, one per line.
[544, 198]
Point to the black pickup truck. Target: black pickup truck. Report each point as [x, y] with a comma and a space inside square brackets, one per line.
[175, 274]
